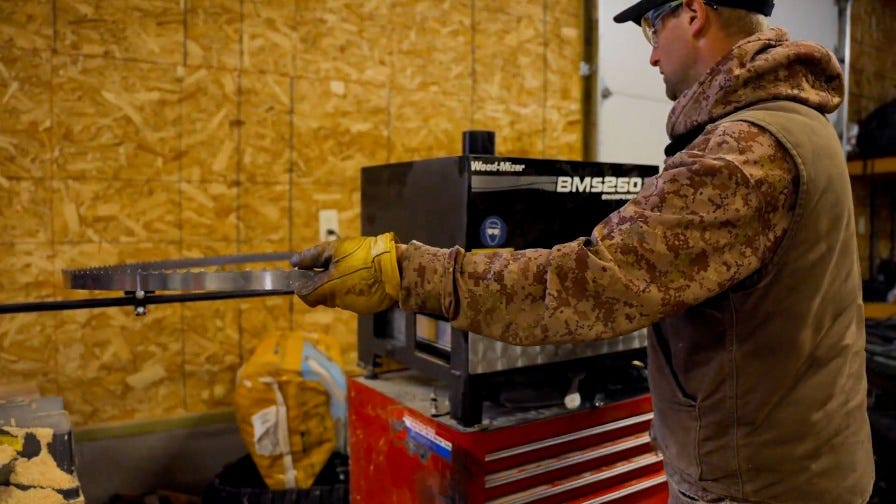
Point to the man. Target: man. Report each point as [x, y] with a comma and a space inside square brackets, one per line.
[741, 254]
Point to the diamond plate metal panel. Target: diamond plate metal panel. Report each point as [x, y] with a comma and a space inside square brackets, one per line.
[486, 355]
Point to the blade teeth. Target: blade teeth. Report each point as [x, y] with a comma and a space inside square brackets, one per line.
[104, 276]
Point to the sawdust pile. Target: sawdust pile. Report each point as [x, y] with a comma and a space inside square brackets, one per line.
[12, 495]
[7, 453]
[40, 472]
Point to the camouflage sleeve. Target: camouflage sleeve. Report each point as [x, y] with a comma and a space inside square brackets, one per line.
[714, 215]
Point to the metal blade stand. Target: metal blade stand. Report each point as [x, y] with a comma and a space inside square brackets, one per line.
[141, 282]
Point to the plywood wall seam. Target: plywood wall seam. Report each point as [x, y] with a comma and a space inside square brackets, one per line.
[184, 372]
[183, 362]
[242, 37]
[54, 169]
[54, 158]
[239, 138]
[473, 70]
[53, 17]
[119, 59]
[544, 77]
[292, 165]
[185, 7]
[239, 163]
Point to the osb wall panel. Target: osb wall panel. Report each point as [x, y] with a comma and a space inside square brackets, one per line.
[213, 33]
[415, 65]
[450, 113]
[210, 125]
[27, 341]
[265, 128]
[269, 34]
[27, 272]
[27, 24]
[260, 316]
[261, 223]
[116, 210]
[338, 126]
[146, 30]
[872, 83]
[112, 365]
[28, 349]
[211, 336]
[563, 120]
[509, 55]
[24, 112]
[154, 129]
[873, 62]
[208, 213]
[27, 227]
[430, 84]
[115, 119]
[345, 40]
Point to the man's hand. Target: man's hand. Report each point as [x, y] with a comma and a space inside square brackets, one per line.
[356, 274]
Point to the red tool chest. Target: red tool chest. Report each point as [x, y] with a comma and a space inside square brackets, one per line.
[401, 453]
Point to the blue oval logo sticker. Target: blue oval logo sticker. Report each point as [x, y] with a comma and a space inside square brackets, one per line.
[493, 231]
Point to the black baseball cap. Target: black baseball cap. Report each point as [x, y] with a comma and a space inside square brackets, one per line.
[637, 11]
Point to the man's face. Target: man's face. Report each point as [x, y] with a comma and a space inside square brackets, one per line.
[673, 54]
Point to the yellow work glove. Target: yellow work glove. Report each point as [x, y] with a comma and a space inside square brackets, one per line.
[356, 274]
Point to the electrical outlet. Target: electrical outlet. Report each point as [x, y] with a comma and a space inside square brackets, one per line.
[328, 219]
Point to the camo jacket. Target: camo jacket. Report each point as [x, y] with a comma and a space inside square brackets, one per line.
[712, 218]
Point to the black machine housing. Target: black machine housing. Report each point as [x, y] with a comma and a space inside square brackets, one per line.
[484, 202]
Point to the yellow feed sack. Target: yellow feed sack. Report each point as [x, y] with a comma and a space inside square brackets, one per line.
[284, 418]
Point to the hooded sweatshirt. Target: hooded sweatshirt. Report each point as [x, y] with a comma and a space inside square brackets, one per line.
[709, 248]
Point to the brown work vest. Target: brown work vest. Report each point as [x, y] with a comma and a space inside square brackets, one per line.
[759, 392]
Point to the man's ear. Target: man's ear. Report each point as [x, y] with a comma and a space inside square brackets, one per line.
[697, 16]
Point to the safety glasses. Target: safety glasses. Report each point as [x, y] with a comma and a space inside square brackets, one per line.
[651, 21]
